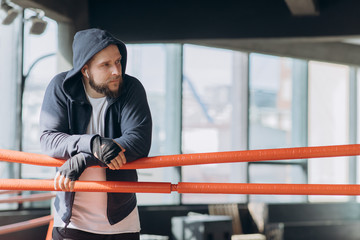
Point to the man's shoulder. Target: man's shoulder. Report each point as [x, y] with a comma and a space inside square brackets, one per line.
[56, 84]
[59, 78]
[131, 82]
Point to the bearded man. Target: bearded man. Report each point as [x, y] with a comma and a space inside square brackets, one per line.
[95, 114]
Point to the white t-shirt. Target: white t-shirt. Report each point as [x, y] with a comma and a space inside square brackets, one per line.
[89, 211]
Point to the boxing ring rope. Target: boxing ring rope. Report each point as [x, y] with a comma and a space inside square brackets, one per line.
[9, 191]
[194, 159]
[201, 158]
[28, 224]
[14, 185]
[187, 187]
[37, 222]
[30, 198]
[49, 232]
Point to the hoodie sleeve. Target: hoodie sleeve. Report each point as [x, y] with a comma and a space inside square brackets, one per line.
[136, 122]
[56, 140]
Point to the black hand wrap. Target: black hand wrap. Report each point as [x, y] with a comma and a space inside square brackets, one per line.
[105, 148]
[73, 167]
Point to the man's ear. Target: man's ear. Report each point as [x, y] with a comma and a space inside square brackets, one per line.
[85, 71]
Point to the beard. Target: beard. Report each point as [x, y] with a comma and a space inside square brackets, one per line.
[104, 89]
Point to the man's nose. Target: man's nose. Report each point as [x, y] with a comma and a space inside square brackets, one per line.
[116, 70]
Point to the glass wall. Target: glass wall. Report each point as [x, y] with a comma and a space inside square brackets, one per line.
[39, 68]
[158, 67]
[270, 89]
[204, 99]
[10, 77]
[210, 84]
[328, 123]
[271, 124]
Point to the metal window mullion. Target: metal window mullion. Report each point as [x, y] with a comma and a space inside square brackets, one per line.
[240, 103]
[352, 124]
[300, 108]
[173, 106]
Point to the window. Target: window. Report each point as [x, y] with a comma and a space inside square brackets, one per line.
[270, 102]
[40, 67]
[212, 116]
[273, 105]
[36, 54]
[328, 123]
[204, 100]
[158, 67]
[9, 81]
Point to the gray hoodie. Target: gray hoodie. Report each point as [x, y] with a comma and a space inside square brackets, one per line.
[66, 113]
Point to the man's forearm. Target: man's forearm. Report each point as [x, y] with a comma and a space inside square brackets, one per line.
[64, 146]
[135, 147]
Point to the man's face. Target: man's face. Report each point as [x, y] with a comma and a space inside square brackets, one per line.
[105, 72]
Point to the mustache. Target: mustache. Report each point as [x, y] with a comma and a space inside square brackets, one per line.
[116, 78]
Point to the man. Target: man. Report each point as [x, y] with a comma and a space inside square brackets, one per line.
[95, 114]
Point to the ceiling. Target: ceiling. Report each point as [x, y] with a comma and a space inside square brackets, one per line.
[326, 30]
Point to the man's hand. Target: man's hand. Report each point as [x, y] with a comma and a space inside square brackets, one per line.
[119, 160]
[69, 172]
[63, 183]
[109, 152]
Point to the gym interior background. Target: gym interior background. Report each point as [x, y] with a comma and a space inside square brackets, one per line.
[220, 76]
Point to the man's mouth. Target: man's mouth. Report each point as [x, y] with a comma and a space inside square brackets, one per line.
[113, 80]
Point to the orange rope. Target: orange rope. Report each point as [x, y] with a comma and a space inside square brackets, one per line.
[25, 225]
[271, 189]
[203, 188]
[201, 158]
[29, 158]
[50, 228]
[85, 186]
[9, 192]
[194, 159]
[31, 198]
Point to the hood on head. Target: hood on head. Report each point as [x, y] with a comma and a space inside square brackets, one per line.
[86, 44]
